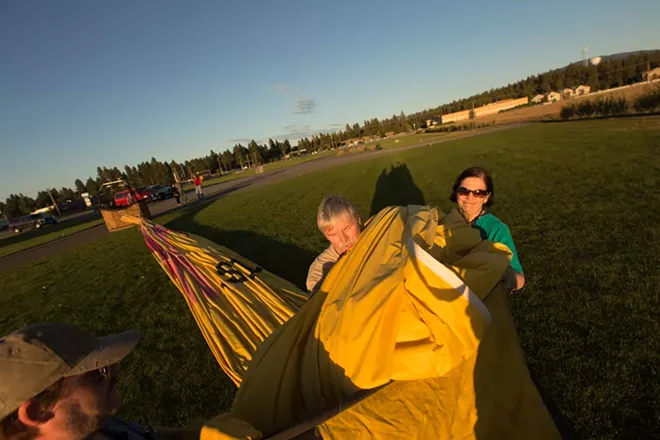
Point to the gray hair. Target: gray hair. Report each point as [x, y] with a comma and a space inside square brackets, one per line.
[333, 207]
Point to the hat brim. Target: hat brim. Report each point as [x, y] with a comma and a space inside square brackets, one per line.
[109, 350]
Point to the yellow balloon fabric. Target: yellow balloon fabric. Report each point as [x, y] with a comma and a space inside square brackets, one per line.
[414, 312]
[236, 303]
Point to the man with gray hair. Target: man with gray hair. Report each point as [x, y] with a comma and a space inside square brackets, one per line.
[340, 222]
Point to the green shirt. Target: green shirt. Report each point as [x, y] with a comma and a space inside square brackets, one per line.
[494, 229]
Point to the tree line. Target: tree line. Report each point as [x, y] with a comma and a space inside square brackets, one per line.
[610, 72]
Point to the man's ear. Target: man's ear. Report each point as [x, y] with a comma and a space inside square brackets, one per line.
[31, 415]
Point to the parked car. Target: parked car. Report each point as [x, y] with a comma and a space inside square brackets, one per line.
[162, 192]
[127, 197]
[145, 193]
[36, 221]
[124, 198]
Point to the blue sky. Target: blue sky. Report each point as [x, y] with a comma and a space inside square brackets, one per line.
[87, 83]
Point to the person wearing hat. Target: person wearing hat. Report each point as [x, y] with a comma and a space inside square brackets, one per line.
[58, 381]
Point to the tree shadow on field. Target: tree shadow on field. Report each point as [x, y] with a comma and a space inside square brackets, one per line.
[396, 187]
[283, 259]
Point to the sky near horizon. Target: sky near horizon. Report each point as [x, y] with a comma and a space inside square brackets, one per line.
[109, 83]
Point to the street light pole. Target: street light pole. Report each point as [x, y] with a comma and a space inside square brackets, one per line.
[53, 200]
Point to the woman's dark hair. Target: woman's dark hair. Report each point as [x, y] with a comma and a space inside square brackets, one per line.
[475, 172]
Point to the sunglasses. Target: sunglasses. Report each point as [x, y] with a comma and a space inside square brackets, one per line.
[99, 376]
[478, 193]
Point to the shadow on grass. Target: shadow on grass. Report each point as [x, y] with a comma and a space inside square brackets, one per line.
[284, 259]
[396, 187]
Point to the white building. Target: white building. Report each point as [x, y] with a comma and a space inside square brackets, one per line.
[652, 74]
[582, 90]
[567, 93]
[554, 96]
[538, 99]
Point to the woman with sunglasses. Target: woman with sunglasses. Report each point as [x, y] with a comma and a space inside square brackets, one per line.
[473, 192]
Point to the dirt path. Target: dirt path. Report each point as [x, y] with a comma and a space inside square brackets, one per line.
[214, 192]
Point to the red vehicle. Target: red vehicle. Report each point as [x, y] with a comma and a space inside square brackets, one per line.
[128, 197]
[145, 193]
[124, 198]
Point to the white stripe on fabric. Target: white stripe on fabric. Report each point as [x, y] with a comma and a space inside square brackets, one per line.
[449, 277]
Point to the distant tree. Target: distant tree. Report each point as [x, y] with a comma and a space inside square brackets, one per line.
[228, 160]
[472, 115]
[92, 187]
[274, 150]
[214, 161]
[17, 205]
[161, 172]
[132, 176]
[80, 187]
[239, 155]
[12, 206]
[43, 200]
[592, 79]
[286, 147]
[146, 173]
[66, 194]
[255, 152]
[27, 204]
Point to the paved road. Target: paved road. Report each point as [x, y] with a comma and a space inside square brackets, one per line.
[76, 218]
[218, 190]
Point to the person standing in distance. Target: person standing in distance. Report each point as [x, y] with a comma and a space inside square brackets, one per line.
[198, 187]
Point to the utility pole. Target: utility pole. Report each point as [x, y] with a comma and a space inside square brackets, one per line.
[222, 171]
[53, 200]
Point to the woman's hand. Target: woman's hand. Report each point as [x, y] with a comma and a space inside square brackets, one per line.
[512, 280]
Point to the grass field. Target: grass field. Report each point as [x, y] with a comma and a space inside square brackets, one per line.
[411, 139]
[35, 237]
[579, 197]
[272, 166]
[295, 161]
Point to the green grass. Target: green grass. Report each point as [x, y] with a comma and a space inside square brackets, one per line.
[579, 197]
[411, 139]
[35, 237]
[272, 166]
